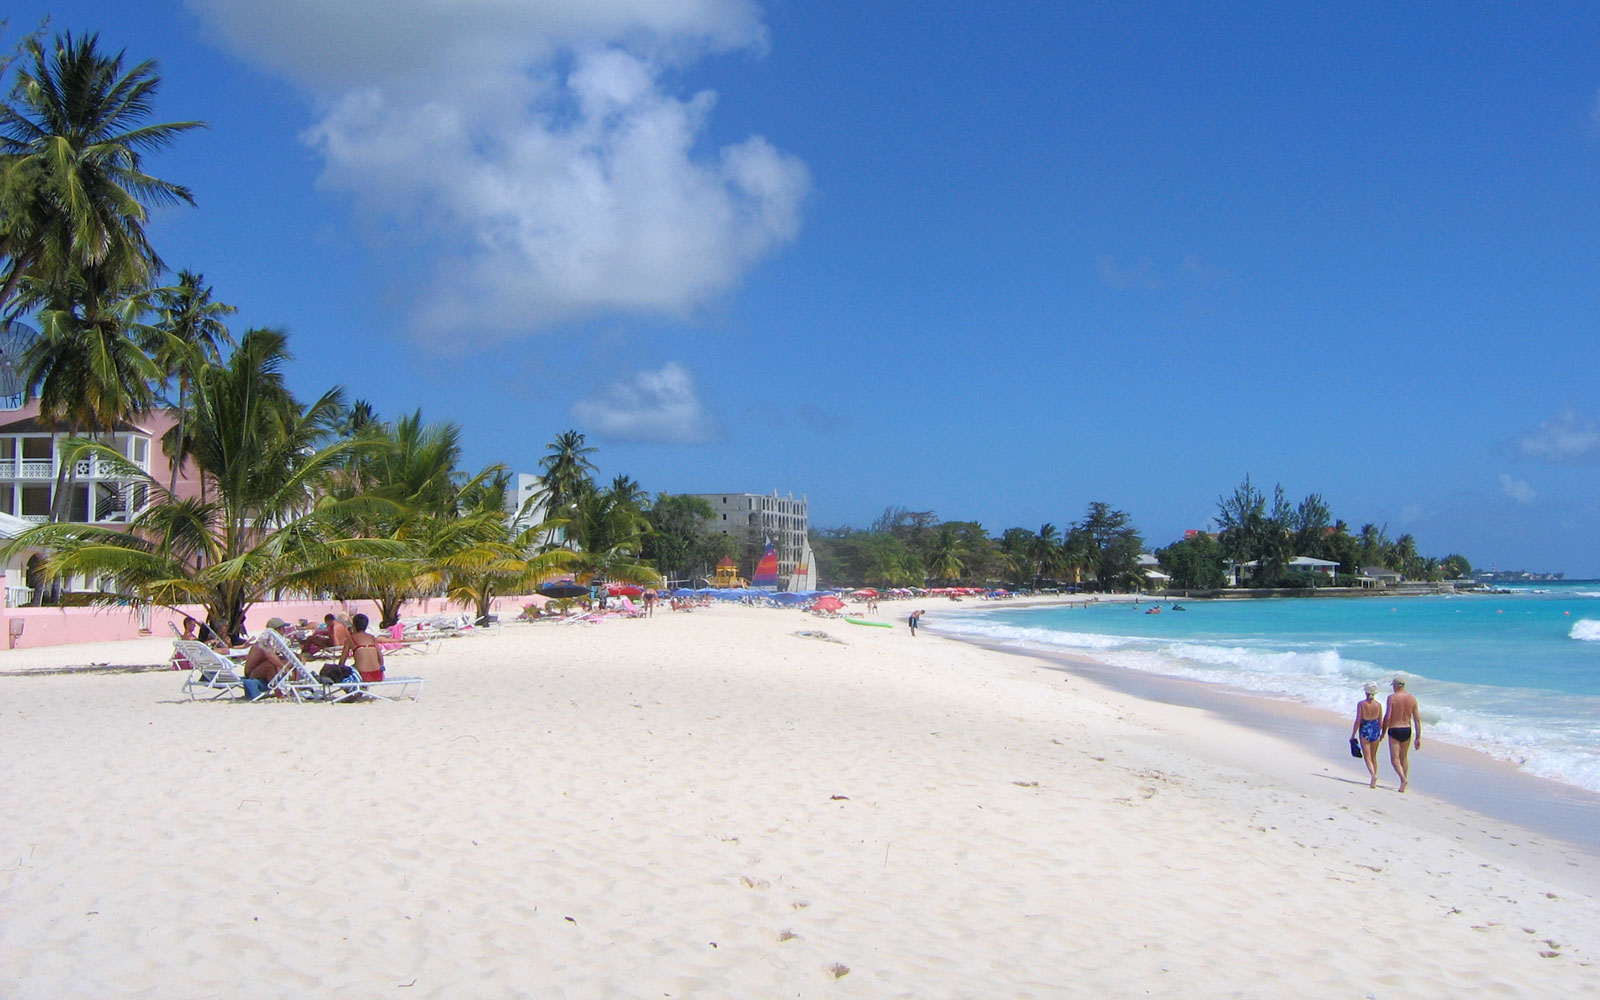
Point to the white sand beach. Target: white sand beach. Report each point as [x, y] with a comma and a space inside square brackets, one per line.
[706, 804]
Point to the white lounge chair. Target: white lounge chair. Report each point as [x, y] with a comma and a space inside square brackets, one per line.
[305, 685]
[297, 680]
[209, 671]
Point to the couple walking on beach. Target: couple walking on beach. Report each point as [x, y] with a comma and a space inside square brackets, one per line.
[1399, 718]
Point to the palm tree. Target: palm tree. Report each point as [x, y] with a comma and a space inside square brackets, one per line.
[1045, 550]
[402, 485]
[1375, 545]
[263, 527]
[607, 531]
[72, 139]
[1079, 555]
[86, 369]
[944, 557]
[190, 335]
[481, 564]
[20, 215]
[358, 419]
[567, 473]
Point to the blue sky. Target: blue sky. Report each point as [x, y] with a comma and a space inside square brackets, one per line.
[996, 261]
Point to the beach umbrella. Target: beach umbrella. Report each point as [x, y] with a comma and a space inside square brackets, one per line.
[829, 604]
[864, 592]
[622, 590]
[565, 588]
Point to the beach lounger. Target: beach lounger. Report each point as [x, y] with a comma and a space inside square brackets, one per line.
[581, 618]
[398, 642]
[211, 674]
[297, 680]
[308, 686]
[210, 671]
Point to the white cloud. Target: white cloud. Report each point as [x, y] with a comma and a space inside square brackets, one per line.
[1568, 437]
[1517, 489]
[659, 406]
[532, 149]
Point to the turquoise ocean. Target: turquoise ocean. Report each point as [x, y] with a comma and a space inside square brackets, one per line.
[1514, 675]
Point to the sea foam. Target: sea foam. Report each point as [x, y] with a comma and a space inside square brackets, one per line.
[1586, 630]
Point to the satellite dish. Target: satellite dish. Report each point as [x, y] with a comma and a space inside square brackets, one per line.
[15, 339]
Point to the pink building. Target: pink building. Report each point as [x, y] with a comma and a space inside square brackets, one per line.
[30, 454]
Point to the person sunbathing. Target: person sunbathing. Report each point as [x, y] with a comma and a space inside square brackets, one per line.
[363, 650]
[332, 635]
[262, 663]
[193, 630]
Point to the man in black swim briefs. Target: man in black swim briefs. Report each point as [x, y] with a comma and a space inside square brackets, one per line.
[1400, 717]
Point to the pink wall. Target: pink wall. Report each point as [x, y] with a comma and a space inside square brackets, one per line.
[59, 626]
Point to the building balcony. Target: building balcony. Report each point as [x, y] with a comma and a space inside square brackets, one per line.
[115, 515]
[46, 468]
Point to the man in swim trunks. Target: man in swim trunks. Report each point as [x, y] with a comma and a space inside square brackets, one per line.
[1369, 726]
[262, 664]
[1400, 717]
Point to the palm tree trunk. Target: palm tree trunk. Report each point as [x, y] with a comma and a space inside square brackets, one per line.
[60, 507]
[178, 445]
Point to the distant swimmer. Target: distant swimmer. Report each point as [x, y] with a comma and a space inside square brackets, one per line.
[1369, 728]
[1400, 718]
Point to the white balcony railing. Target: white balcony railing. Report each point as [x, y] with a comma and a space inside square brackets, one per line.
[46, 468]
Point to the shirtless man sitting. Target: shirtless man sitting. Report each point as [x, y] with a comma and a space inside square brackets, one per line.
[262, 663]
[1400, 718]
[332, 635]
[363, 649]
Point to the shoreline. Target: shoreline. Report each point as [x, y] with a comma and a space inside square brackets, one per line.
[1468, 779]
[1463, 776]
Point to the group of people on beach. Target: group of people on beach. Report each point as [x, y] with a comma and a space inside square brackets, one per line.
[263, 663]
[1397, 718]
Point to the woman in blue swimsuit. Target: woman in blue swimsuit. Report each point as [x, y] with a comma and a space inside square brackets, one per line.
[1369, 725]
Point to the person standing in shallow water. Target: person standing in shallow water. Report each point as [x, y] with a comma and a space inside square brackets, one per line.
[1400, 718]
[1368, 728]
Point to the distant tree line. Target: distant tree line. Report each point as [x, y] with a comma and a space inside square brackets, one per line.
[1100, 551]
[1261, 538]
[906, 548]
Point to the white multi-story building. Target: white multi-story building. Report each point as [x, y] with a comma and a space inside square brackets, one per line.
[758, 516]
[522, 502]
